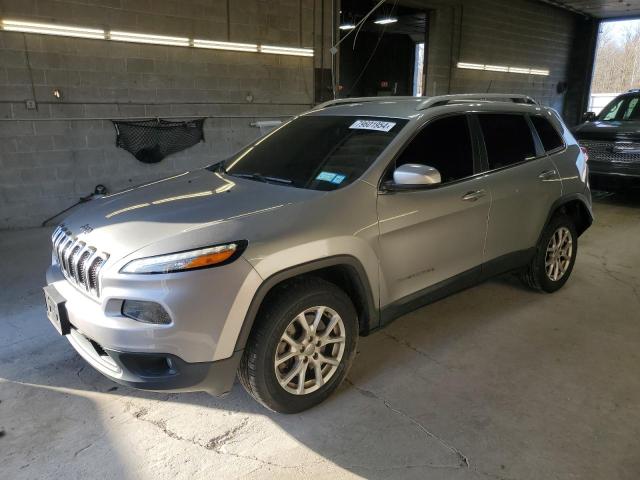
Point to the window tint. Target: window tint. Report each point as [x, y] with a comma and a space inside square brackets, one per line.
[507, 138]
[611, 111]
[632, 112]
[623, 108]
[547, 133]
[317, 152]
[444, 144]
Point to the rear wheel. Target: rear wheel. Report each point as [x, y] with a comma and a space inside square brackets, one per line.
[555, 256]
[301, 346]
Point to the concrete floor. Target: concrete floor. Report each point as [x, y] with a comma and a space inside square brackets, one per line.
[496, 382]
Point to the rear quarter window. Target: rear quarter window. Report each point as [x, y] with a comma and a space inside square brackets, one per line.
[549, 136]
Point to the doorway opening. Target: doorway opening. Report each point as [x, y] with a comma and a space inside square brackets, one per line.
[386, 55]
[617, 63]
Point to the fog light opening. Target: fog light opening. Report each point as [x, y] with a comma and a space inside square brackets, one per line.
[145, 312]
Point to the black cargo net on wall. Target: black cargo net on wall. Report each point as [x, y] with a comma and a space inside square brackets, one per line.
[152, 140]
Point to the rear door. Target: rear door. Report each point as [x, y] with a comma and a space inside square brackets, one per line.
[524, 184]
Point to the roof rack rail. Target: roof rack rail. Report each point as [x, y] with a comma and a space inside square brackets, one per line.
[441, 100]
[348, 101]
[436, 101]
[634, 90]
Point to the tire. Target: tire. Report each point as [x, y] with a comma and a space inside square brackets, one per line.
[537, 275]
[284, 310]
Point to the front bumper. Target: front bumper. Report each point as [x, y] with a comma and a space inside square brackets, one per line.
[197, 351]
[156, 371]
[604, 174]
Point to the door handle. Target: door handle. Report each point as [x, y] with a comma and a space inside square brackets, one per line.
[473, 196]
[548, 175]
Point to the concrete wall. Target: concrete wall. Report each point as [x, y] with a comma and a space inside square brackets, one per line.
[51, 156]
[525, 33]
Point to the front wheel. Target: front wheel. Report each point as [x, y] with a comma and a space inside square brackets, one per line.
[555, 256]
[301, 346]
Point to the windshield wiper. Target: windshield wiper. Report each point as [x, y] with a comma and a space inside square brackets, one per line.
[217, 167]
[262, 178]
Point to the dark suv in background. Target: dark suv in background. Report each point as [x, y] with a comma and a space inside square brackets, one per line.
[612, 139]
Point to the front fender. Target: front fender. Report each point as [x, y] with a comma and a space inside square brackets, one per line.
[365, 272]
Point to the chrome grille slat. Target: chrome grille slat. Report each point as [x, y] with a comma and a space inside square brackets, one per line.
[57, 237]
[86, 267]
[78, 246]
[80, 263]
[60, 249]
[94, 269]
[602, 151]
[66, 247]
[86, 253]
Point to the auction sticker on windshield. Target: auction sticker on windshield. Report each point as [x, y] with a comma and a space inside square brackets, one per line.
[377, 125]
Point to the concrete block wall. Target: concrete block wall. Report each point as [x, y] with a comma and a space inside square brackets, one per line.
[519, 33]
[52, 156]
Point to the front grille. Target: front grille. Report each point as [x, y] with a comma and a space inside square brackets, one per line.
[601, 151]
[79, 262]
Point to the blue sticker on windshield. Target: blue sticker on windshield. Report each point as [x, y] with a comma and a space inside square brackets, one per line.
[326, 176]
[331, 177]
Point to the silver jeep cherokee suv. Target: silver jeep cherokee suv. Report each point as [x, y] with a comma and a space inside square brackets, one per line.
[272, 263]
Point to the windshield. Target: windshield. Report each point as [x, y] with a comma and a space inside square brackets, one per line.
[316, 152]
[622, 108]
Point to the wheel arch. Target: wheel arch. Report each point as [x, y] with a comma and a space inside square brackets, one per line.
[345, 271]
[576, 207]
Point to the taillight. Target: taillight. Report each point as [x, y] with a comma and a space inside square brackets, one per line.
[586, 153]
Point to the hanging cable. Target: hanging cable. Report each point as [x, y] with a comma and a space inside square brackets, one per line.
[358, 28]
[375, 49]
[364, 69]
[359, 24]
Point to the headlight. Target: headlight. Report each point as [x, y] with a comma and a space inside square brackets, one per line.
[189, 260]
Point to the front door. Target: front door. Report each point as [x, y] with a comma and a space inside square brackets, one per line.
[429, 235]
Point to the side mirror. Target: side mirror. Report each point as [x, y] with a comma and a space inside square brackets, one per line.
[589, 117]
[412, 174]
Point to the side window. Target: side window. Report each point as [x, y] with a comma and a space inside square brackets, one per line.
[444, 144]
[507, 138]
[631, 112]
[612, 110]
[550, 138]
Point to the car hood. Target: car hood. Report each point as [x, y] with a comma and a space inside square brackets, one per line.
[608, 131]
[190, 208]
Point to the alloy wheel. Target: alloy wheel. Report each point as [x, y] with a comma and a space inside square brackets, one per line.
[559, 253]
[310, 350]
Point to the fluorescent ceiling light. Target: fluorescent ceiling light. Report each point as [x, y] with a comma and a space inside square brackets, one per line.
[347, 26]
[300, 52]
[471, 66]
[496, 68]
[238, 47]
[51, 29]
[134, 37]
[535, 71]
[145, 38]
[386, 20]
[503, 68]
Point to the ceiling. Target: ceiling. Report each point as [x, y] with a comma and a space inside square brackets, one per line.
[601, 8]
[411, 21]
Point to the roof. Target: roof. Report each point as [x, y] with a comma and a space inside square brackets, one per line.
[407, 107]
